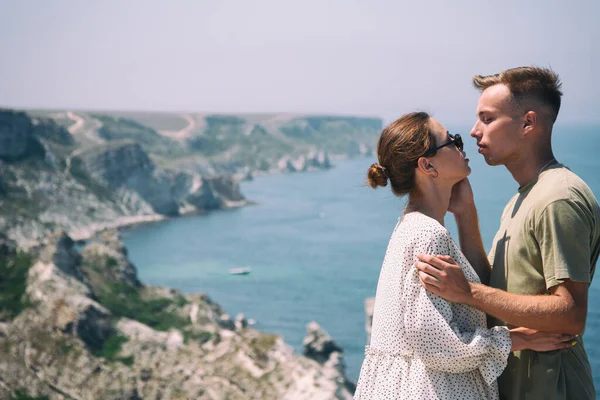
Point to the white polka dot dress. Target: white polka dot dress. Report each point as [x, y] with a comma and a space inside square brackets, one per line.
[423, 347]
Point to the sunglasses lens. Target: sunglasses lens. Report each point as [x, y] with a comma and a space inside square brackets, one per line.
[458, 142]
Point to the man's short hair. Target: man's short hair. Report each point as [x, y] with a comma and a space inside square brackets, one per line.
[526, 84]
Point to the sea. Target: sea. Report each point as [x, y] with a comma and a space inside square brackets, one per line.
[315, 243]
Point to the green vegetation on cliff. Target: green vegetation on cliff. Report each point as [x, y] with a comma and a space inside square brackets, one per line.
[111, 349]
[199, 337]
[221, 134]
[333, 133]
[124, 128]
[125, 301]
[13, 282]
[21, 394]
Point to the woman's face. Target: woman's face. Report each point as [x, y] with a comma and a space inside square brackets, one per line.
[450, 162]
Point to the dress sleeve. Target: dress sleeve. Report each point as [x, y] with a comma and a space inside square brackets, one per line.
[433, 333]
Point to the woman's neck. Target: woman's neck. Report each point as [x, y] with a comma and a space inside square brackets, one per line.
[431, 200]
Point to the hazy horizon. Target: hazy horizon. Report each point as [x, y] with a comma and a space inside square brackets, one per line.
[348, 58]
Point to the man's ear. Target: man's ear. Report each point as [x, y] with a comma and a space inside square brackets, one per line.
[529, 121]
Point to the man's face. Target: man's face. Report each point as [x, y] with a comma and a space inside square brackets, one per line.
[498, 129]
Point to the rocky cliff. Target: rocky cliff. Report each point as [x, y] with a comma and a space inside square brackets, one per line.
[240, 144]
[15, 134]
[82, 326]
[48, 180]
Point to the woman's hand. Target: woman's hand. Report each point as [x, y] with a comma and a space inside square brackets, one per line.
[461, 199]
[525, 338]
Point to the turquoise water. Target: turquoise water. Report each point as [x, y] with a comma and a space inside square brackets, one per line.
[315, 243]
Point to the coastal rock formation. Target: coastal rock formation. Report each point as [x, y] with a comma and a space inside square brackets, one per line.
[63, 303]
[115, 163]
[49, 182]
[318, 345]
[124, 164]
[218, 192]
[319, 160]
[358, 149]
[83, 172]
[60, 252]
[309, 162]
[89, 329]
[47, 128]
[110, 255]
[15, 134]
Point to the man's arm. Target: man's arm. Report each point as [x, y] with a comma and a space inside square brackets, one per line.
[462, 205]
[564, 310]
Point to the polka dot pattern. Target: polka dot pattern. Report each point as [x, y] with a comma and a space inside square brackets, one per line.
[423, 347]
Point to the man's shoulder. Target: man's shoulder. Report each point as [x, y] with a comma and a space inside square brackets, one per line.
[561, 184]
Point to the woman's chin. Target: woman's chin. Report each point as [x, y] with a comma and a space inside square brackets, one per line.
[468, 171]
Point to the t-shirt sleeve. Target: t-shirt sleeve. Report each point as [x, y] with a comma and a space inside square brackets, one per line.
[563, 234]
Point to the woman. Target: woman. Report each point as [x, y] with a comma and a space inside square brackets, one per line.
[423, 347]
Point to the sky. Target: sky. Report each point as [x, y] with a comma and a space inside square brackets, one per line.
[346, 57]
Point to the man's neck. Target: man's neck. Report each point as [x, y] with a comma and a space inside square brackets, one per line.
[526, 169]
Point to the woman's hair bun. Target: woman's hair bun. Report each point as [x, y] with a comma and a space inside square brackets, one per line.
[377, 176]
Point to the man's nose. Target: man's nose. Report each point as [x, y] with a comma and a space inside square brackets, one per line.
[475, 130]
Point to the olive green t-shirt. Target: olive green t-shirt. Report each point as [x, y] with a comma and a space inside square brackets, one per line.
[549, 231]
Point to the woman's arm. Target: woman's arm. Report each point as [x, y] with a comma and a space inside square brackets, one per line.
[462, 205]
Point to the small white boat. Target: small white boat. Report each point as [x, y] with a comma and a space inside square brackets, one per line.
[240, 271]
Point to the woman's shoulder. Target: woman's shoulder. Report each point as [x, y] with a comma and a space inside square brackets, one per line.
[416, 221]
[417, 227]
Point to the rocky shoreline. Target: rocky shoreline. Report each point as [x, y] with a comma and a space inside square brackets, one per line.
[85, 327]
[53, 178]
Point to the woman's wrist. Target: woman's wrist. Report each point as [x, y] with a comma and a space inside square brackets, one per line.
[465, 210]
[518, 341]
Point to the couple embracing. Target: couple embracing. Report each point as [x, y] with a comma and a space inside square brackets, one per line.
[451, 322]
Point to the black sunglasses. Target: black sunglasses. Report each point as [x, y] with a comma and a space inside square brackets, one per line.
[454, 139]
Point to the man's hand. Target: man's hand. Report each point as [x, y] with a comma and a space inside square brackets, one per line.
[441, 275]
[461, 199]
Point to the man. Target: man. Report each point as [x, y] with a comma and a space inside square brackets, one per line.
[543, 257]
